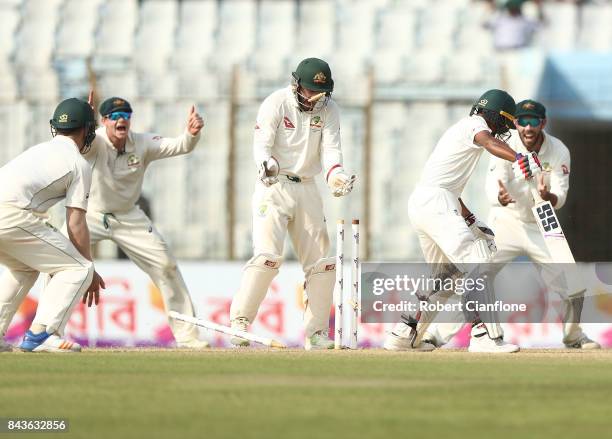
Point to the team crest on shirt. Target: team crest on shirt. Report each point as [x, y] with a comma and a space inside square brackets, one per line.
[288, 123]
[315, 122]
[262, 210]
[133, 160]
[546, 167]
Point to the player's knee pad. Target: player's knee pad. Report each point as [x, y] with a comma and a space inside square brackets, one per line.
[322, 277]
[265, 262]
[256, 278]
[318, 295]
[261, 269]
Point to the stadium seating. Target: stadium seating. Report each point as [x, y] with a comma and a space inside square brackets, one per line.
[77, 25]
[429, 58]
[195, 38]
[115, 35]
[154, 41]
[9, 17]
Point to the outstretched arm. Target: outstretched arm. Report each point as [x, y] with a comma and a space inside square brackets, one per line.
[495, 146]
[162, 147]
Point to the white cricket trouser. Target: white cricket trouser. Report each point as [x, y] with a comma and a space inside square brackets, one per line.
[28, 246]
[296, 208]
[136, 235]
[435, 214]
[444, 236]
[514, 238]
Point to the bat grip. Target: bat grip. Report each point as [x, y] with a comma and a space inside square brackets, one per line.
[534, 190]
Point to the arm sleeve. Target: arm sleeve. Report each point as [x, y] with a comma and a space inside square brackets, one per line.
[77, 193]
[268, 120]
[477, 125]
[159, 147]
[331, 151]
[559, 178]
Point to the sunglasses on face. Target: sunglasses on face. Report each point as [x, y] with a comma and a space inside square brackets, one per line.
[533, 121]
[119, 115]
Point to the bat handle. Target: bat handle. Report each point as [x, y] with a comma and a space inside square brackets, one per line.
[534, 190]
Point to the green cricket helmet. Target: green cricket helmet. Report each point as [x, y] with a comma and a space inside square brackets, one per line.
[497, 107]
[313, 74]
[71, 114]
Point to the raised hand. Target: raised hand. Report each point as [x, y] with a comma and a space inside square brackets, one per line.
[541, 186]
[194, 121]
[503, 196]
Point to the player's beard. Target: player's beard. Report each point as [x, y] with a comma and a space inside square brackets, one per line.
[532, 142]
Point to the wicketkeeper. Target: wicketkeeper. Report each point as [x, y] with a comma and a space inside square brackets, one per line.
[297, 135]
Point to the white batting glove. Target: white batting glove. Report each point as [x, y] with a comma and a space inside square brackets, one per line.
[341, 183]
[526, 166]
[268, 171]
[481, 231]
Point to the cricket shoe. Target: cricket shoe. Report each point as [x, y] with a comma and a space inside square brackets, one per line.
[400, 339]
[318, 341]
[4, 346]
[583, 342]
[193, 344]
[45, 342]
[240, 324]
[481, 342]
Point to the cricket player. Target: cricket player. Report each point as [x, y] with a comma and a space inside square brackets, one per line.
[29, 185]
[450, 235]
[516, 232]
[119, 158]
[297, 135]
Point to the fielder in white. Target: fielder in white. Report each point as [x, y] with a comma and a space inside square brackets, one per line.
[29, 185]
[297, 136]
[119, 158]
[451, 237]
[516, 232]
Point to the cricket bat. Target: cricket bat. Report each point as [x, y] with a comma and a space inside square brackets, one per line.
[550, 227]
[554, 238]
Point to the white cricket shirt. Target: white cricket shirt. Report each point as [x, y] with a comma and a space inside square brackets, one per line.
[555, 159]
[455, 156]
[44, 174]
[117, 178]
[304, 143]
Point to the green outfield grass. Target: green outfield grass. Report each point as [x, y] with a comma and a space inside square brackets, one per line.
[293, 394]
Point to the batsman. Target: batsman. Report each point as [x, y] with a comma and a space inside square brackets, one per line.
[297, 136]
[516, 232]
[451, 236]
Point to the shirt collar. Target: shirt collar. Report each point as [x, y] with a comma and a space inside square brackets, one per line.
[129, 144]
[65, 140]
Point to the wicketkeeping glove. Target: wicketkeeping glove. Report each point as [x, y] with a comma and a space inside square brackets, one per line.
[268, 171]
[526, 166]
[481, 231]
[341, 183]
